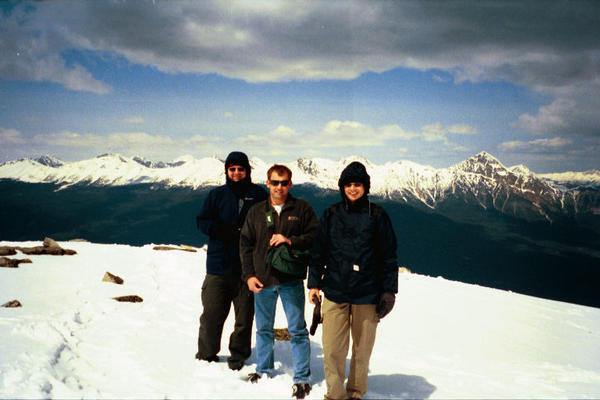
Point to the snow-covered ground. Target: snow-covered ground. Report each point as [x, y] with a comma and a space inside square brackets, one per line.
[442, 340]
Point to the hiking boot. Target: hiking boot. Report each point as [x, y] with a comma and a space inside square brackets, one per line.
[235, 365]
[253, 377]
[301, 390]
[214, 358]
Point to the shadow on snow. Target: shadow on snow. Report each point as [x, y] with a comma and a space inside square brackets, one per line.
[397, 386]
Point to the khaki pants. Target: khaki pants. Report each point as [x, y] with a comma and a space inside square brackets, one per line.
[339, 320]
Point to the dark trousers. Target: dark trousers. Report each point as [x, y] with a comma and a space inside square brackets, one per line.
[218, 293]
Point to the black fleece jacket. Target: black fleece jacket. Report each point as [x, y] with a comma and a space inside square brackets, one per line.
[298, 222]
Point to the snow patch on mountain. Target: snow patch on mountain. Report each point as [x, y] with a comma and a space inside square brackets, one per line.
[521, 170]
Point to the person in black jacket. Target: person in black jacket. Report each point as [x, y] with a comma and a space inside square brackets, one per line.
[281, 220]
[221, 218]
[354, 263]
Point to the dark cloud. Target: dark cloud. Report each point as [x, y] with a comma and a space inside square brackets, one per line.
[549, 46]
[33, 53]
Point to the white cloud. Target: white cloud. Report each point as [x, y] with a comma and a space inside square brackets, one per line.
[10, 137]
[462, 129]
[549, 118]
[536, 146]
[31, 51]
[336, 136]
[348, 133]
[68, 139]
[120, 142]
[134, 119]
[351, 134]
[138, 139]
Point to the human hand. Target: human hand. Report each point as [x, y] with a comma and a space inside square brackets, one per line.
[254, 284]
[385, 304]
[278, 239]
[312, 293]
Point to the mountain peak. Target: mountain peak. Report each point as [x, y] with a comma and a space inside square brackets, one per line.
[521, 170]
[347, 160]
[485, 157]
[112, 156]
[482, 164]
[187, 158]
[49, 161]
[148, 163]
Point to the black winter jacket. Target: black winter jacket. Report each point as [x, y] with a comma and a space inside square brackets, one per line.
[298, 222]
[222, 207]
[353, 259]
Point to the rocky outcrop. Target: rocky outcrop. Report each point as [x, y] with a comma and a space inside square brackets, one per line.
[12, 263]
[49, 247]
[7, 251]
[12, 304]
[108, 277]
[129, 299]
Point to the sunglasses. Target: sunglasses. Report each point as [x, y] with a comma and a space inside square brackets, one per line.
[274, 182]
[239, 169]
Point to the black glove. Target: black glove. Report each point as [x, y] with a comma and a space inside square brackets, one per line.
[229, 232]
[316, 318]
[385, 304]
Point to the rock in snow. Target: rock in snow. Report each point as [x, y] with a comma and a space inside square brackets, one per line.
[108, 277]
[7, 251]
[167, 248]
[49, 247]
[129, 299]
[12, 304]
[6, 262]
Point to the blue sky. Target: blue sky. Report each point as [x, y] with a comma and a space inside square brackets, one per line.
[431, 82]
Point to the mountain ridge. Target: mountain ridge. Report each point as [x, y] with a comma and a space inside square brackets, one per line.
[481, 180]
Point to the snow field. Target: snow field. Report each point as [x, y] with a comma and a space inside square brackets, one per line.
[442, 340]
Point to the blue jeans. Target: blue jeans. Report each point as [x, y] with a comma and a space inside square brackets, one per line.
[292, 299]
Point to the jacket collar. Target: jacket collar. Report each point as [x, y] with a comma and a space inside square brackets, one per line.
[361, 204]
[289, 202]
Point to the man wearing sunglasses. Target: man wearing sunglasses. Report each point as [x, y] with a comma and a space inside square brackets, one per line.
[221, 218]
[281, 220]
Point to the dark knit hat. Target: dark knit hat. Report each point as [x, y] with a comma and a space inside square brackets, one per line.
[237, 158]
[355, 172]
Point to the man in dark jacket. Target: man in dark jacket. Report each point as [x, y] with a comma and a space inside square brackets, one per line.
[221, 218]
[281, 220]
[353, 261]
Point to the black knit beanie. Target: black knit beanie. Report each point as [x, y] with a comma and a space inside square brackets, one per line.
[238, 158]
[355, 172]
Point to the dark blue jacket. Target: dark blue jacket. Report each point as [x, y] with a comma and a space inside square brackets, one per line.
[221, 207]
[358, 247]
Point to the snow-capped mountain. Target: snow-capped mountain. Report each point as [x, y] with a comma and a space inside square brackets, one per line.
[480, 180]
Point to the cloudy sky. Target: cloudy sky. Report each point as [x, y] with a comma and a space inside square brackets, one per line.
[431, 82]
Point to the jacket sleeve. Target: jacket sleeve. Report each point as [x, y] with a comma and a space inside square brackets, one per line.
[388, 251]
[247, 243]
[310, 222]
[318, 254]
[205, 220]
